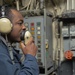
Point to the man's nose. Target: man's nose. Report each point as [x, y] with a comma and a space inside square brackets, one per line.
[23, 27]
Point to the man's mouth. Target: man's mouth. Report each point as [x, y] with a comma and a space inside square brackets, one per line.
[22, 35]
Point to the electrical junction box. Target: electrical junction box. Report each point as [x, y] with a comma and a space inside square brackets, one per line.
[41, 30]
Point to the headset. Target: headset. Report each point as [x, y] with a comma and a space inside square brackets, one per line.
[5, 24]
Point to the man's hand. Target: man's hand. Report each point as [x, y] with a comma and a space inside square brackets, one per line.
[30, 47]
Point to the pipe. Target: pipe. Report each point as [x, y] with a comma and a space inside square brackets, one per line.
[17, 4]
[41, 4]
[73, 4]
[68, 1]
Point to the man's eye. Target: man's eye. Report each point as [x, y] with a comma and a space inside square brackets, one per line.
[20, 23]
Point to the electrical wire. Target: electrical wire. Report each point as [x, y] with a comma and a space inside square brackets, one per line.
[28, 5]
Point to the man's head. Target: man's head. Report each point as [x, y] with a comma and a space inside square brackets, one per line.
[17, 22]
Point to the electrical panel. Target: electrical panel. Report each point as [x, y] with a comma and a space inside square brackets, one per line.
[68, 39]
[41, 30]
[68, 33]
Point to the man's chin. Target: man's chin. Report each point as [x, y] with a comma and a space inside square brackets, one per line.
[17, 40]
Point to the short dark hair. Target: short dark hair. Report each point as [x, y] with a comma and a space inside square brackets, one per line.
[8, 12]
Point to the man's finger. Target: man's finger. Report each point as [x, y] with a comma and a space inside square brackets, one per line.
[30, 41]
[22, 46]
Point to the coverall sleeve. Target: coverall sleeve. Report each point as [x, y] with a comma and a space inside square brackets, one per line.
[29, 67]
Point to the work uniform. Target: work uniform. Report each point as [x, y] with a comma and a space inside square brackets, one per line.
[28, 67]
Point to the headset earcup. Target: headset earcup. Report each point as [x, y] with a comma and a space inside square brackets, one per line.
[5, 25]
